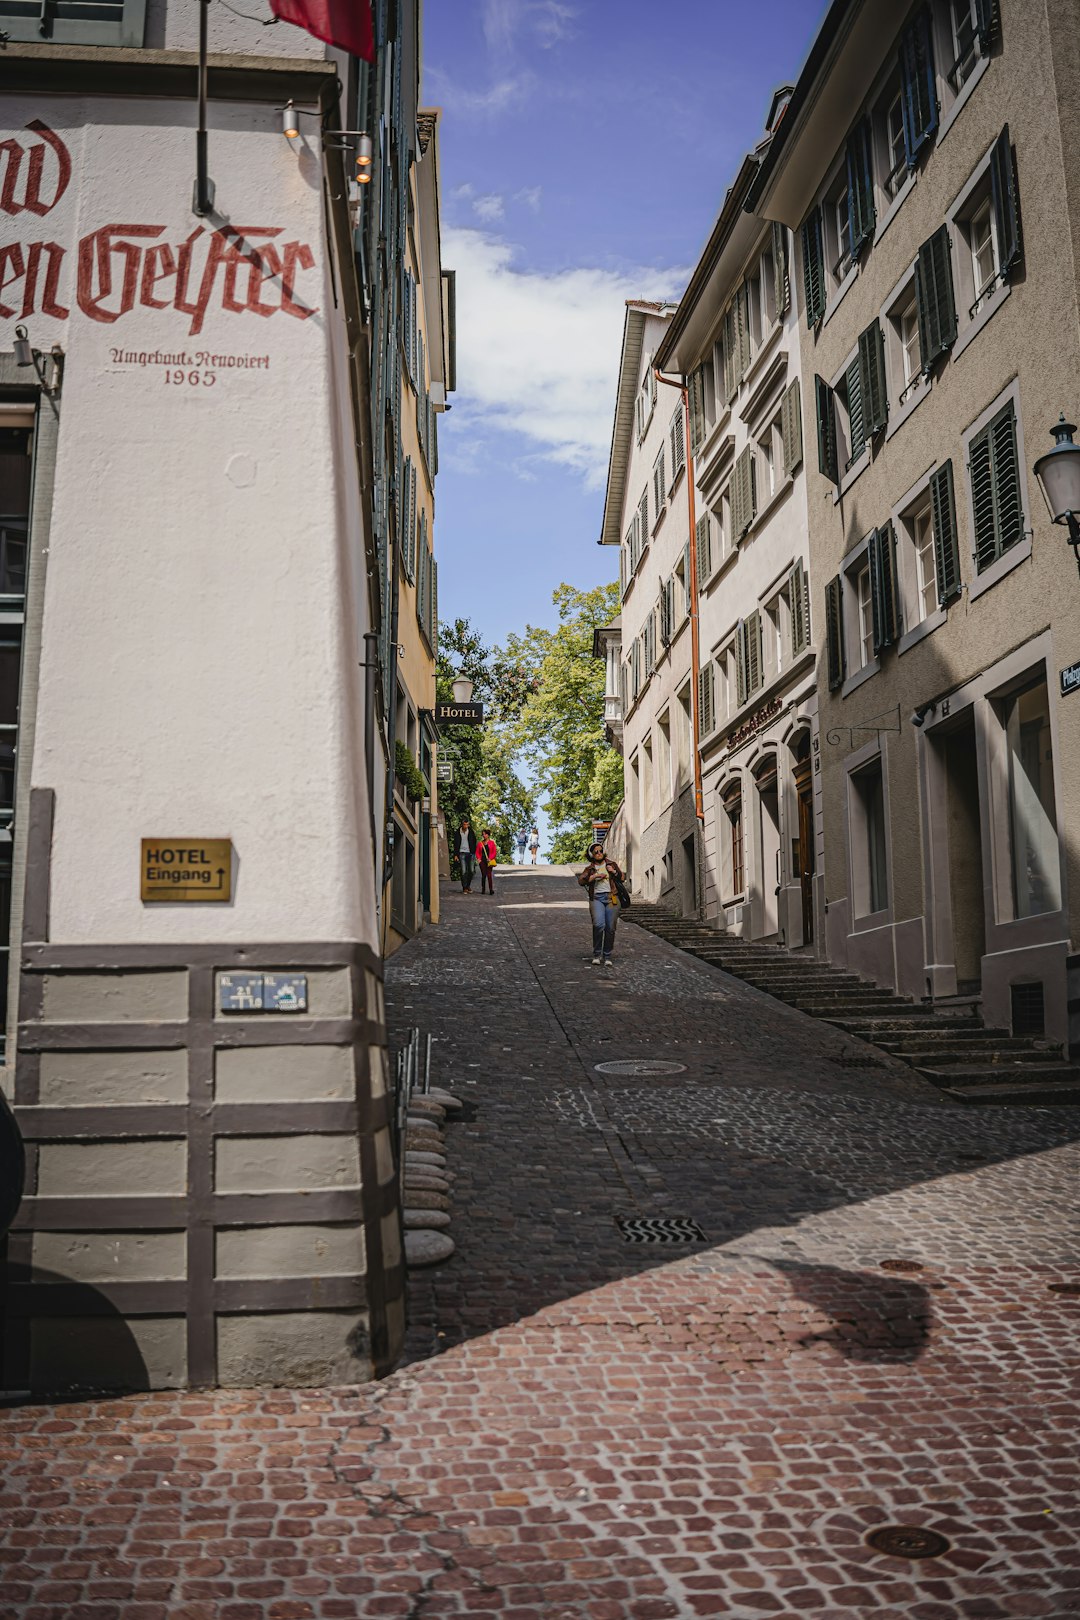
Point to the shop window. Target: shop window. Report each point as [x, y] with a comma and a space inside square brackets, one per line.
[1033, 838]
[732, 842]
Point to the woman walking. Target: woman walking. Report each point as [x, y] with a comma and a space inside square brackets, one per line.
[487, 853]
[534, 843]
[600, 878]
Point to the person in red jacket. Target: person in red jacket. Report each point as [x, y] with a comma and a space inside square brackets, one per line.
[487, 853]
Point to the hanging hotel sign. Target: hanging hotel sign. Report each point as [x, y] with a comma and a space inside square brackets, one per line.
[175, 869]
[459, 714]
[1070, 679]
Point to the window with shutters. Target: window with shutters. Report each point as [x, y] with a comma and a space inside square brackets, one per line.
[677, 445]
[935, 297]
[646, 399]
[791, 429]
[986, 225]
[851, 437]
[996, 488]
[798, 598]
[681, 586]
[891, 147]
[775, 636]
[836, 223]
[624, 565]
[857, 611]
[703, 545]
[918, 570]
[815, 282]
[744, 494]
[927, 555]
[770, 462]
[659, 488]
[74, 22]
[642, 524]
[968, 42]
[724, 684]
[903, 349]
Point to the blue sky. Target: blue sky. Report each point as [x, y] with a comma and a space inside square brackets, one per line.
[586, 146]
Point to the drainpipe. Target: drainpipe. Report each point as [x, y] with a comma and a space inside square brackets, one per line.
[391, 732]
[695, 726]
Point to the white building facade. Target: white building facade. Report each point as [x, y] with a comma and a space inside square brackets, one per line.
[735, 338]
[646, 514]
[189, 578]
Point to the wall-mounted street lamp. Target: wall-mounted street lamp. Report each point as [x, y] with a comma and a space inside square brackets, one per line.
[1058, 473]
[26, 355]
[462, 689]
[333, 139]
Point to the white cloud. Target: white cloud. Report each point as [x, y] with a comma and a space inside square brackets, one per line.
[509, 90]
[507, 22]
[489, 208]
[538, 353]
[530, 196]
[462, 192]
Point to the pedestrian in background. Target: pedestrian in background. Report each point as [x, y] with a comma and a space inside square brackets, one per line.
[466, 854]
[487, 853]
[521, 841]
[534, 843]
[600, 878]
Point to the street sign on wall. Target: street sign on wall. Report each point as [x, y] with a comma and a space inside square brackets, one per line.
[444, 770]
[176, 869]
[1070, 679]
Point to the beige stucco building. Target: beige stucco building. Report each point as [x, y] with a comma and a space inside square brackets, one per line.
[735, 338]
[925, 164]
[646, 514]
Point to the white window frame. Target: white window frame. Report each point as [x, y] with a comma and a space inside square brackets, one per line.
[855, 563]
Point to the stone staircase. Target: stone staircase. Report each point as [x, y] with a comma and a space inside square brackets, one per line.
[950, 1047]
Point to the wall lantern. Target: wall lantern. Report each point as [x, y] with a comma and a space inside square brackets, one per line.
[290, 122]
[26, 355]
[462, 689]
[1058, 473]
[365, 151]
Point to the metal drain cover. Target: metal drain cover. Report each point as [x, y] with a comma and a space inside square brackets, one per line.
[908, 1541]
[660, 1229]
[1069, 1288]
[901, 1265]
[640, 1066]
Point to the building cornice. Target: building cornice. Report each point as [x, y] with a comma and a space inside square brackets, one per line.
[102, 71]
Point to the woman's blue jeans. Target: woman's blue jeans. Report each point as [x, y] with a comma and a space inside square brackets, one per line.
[604, 915]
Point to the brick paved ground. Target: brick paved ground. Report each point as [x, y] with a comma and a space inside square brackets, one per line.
[590, 1429]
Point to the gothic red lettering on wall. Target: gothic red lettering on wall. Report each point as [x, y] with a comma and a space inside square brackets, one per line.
[14, 154]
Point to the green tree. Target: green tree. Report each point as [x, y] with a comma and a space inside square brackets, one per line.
[559, 727]
[486, 785]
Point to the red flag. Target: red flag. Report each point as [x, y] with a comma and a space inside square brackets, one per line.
[344, 23]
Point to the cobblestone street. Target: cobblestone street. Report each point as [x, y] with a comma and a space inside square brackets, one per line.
[879, 1326]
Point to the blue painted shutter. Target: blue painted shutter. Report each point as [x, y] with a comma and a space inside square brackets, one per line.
[860, 175]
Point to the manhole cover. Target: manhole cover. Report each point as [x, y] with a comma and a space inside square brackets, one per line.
[901, 1265]
[640, 1066]
[907, 1541]
[659, 1229]
[1072, 1289]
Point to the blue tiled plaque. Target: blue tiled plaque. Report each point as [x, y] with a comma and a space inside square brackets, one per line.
[285, 992]
[241, 992]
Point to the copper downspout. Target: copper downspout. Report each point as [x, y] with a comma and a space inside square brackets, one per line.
[695, 722]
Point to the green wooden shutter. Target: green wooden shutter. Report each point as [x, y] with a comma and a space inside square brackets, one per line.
[791, 428]
[987, 22]
[697, 409]
[659, 488]
[403, 508]
[743, 493]
[433, 606]
[856, 410]
[826, 429]
[705, 700]
[781, 275]
[665, 622]
[813, 258]
[421, 575]
[934, 297]
[834, 632]
[1004, 194]
[677, 436]
[703, 546]
[995, 488]
[860, 177]
[919, 85]
[883, 587]
[741, 692]
[946, 544]
[687, 582]
[643, 519]
[874, 388]
[731, 354]
[752, 634]
[742, 324]
[800, 606]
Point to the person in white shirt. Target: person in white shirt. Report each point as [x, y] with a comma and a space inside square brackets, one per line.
[600, 878]
[466, 854]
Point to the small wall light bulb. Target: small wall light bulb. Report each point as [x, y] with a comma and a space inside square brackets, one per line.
[290, 122]
[364, 152]
[23, 348]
